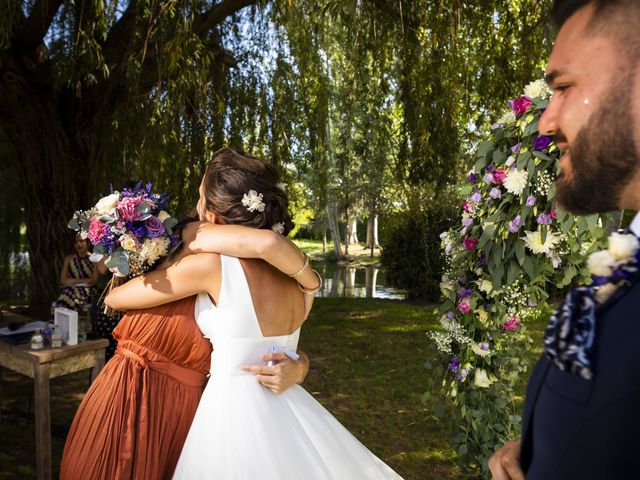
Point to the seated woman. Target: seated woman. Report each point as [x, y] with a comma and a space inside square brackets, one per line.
[78, 277]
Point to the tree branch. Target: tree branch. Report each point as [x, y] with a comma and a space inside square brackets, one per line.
[209, 19]
[35, 27]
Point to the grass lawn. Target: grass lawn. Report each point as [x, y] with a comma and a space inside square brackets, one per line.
[367, 368]
[358, 254]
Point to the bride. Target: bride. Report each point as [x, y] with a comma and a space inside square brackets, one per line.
[248, 309]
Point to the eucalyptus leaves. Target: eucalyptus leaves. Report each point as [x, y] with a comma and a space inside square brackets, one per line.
[513, 243]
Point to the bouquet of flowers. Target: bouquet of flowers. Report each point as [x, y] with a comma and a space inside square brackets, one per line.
[130, 228]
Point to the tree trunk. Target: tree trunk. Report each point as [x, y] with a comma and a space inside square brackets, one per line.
[332, 220]
[372, 232]
[53, 173]
[324, 237]
[370, 280]
[352, 231]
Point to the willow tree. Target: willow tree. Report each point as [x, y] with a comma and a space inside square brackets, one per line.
[67, 69]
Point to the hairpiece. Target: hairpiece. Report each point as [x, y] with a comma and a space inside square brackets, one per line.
[253, 201]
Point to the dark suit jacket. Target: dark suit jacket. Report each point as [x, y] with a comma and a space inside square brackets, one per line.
[580, 429]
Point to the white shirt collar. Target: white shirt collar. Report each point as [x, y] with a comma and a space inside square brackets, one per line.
[635, 225]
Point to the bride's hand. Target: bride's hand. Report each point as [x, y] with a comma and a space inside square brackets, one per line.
[283, 374]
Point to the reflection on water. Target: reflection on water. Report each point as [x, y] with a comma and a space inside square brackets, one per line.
[343, 281]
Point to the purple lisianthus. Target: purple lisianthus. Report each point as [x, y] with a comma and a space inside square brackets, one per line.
[510, 161]
[544, 219]
[516, 148]
[451, 315]
[473, 177]
[495, 193]
[467, 222]
[482, 262]
[465, 292]
[531, 201]
[484, 346]
[454, 364]
[514, 226]
[463, 374]
[488, 178]
[541, 142]
[476, 196]
[489, 168]
[155, 227]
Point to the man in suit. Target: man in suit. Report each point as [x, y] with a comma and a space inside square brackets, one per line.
[577, 425]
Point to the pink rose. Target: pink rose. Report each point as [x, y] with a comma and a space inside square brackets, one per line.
[97, 230]
[520, 105]
[128, 209]
[498, 176]
[466, 206]
[464, 305]
[470, 243]
[511, 324]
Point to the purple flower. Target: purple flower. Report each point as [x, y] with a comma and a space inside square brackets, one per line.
[463, 374]
[531, 201]
[510, 161]
[462, 279]
[451, 315]
[494, 126]
[482, 262]
[454, 364]
[465, 292]
[473, 177]
[476, 196]
[544, 219]
[516, 148]
[488, 178]
[541, 142]
[467, 222]
[155, 227]
[484, 346]
[514, 226]
[495, 193]
[489, 168]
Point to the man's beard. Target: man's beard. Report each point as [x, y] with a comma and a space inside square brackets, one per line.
[604, 157]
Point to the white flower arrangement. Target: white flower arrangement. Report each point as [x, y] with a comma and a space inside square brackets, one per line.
[253, 201]
[539, 88]
[620, 254]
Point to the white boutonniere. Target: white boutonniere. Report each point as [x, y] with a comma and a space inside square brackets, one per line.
[610, 268]
[253, 201]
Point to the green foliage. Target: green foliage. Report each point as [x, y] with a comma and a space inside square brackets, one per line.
[411, 252]
[514, 245]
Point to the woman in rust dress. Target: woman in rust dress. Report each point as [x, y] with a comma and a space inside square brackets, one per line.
[134, 419]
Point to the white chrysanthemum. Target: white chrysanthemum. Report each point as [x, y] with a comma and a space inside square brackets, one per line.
[477, 349]
[107, 205]
[253, 201]
[154, 248]
[483, 380]
[516, 181]
[278, 227]
[538, 88]
[509, 118]
[623, 245]
[533, 241]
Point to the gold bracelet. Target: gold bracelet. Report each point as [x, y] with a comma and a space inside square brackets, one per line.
[312, 291]
[304, 267]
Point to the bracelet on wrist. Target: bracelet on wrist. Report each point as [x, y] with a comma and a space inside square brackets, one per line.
[304, 267]
[312, 291]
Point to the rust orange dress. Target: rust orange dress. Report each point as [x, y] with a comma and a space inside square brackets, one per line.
[134, 419]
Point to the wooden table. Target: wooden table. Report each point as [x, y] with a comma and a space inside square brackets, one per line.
[41, 365]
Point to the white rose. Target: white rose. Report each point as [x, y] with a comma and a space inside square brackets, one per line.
[601, 263]
[623, 246]
[128, 243]
[107, 205]
[162, 216]
[482, 380]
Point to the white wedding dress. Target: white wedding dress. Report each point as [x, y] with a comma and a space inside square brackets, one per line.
[242, 430]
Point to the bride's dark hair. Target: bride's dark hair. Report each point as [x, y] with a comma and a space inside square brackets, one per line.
[230, 175]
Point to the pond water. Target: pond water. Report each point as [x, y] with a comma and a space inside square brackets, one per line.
[359, 282]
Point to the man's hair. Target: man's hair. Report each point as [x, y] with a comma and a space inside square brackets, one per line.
[619, 19]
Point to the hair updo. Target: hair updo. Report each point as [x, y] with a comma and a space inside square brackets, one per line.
[230, 175]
